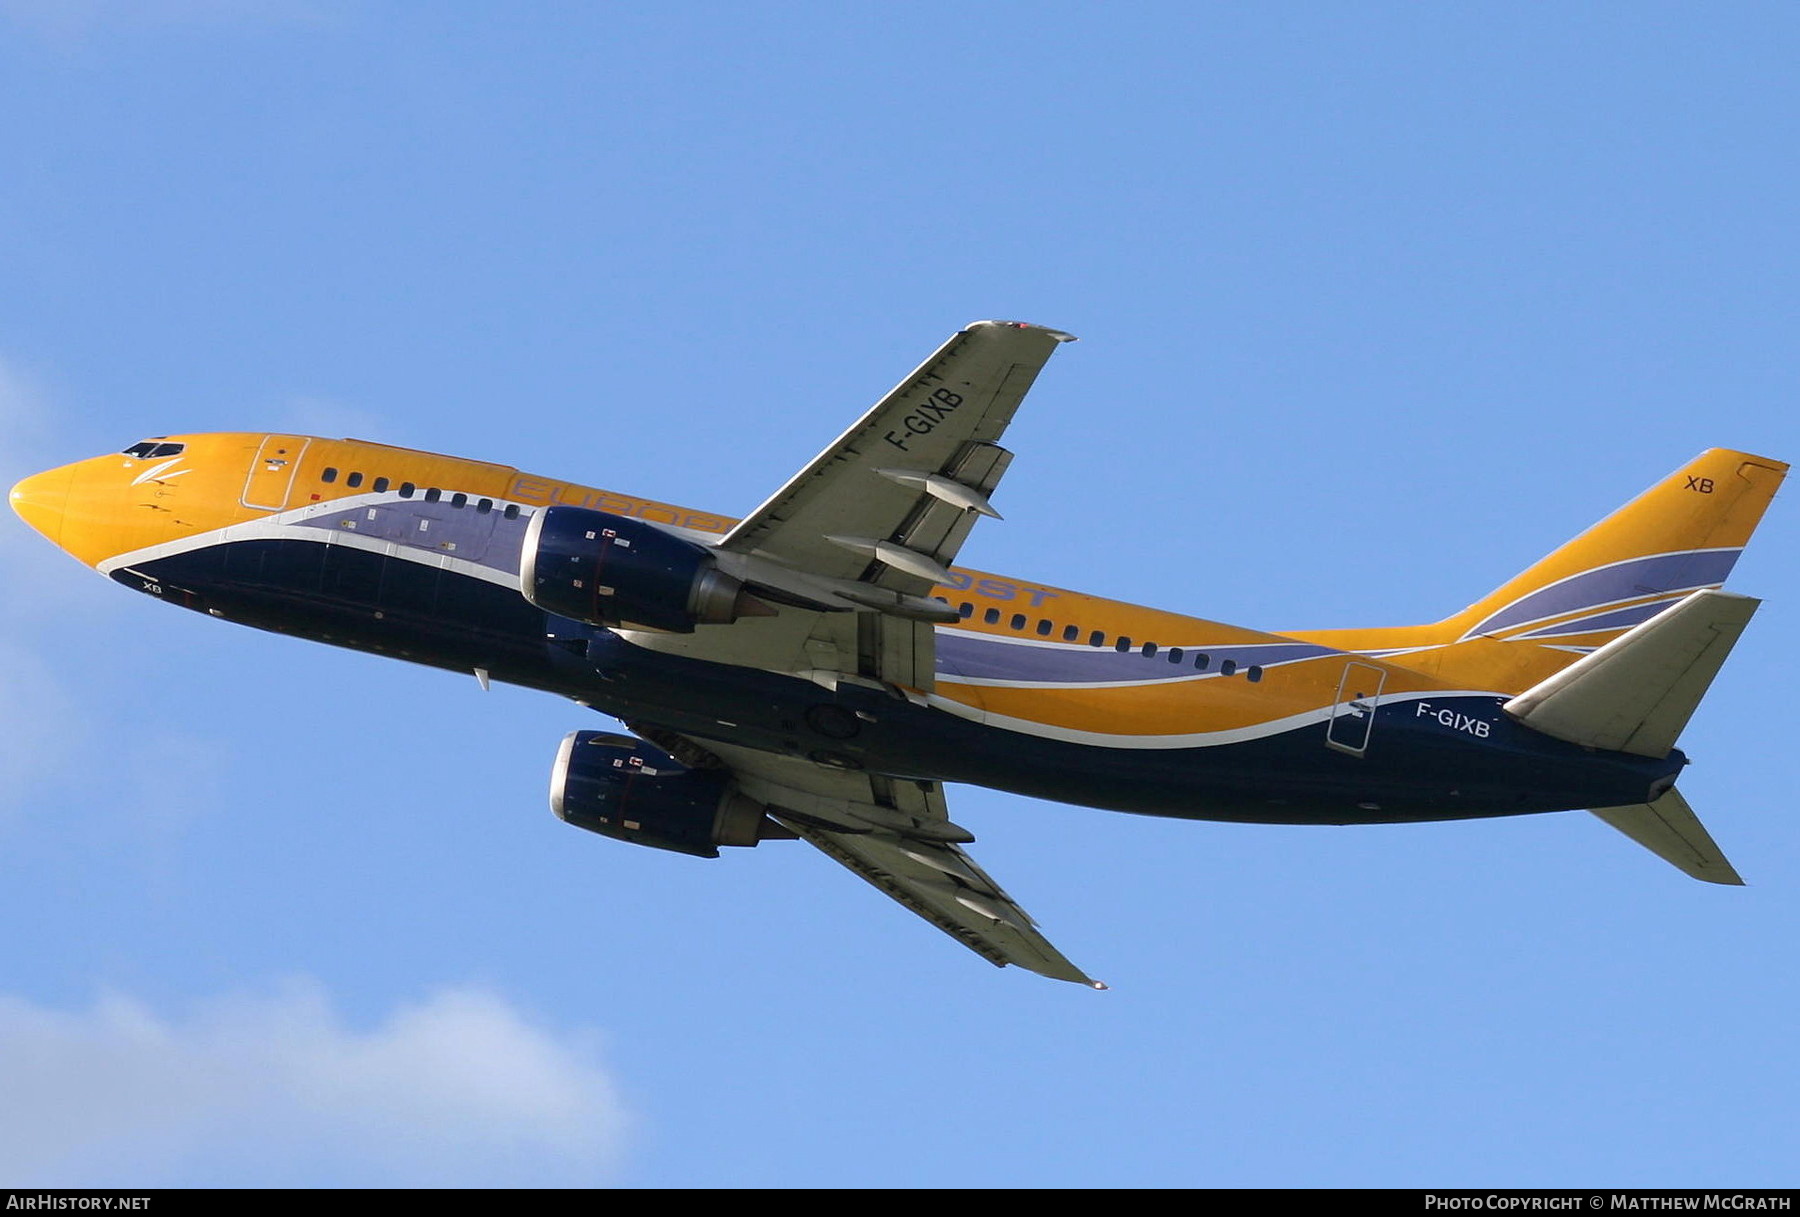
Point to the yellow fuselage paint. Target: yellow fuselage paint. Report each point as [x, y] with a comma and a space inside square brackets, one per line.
[106, 507]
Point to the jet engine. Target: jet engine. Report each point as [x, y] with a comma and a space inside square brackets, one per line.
[613, 570]
[621, 787]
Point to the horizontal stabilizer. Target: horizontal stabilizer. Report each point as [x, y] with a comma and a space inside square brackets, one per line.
[1637, 692]
[1669, 829]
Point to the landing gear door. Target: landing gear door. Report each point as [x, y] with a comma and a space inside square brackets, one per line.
[1353, 713]
[272, 473]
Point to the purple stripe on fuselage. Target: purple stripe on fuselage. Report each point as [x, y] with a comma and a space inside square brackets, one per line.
[983, 658]
[1610, 584]
[484, 537]
[1617, 619]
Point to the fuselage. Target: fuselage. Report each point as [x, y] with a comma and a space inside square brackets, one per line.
[1038, 689]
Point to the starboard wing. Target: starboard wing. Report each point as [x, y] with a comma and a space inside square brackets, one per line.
[897, 834]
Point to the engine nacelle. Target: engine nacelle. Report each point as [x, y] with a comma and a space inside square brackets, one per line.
[612, 570]
[621, 787]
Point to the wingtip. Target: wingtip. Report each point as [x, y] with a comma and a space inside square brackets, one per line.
[1059, 335]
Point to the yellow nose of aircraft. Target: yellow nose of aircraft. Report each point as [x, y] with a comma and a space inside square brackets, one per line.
[152, 493]
[42, 499]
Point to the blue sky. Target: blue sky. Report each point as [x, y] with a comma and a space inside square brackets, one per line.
[1378, 303]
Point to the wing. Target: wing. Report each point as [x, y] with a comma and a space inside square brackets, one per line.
[897, 834]
[850, 549]
[853, 544]
[901, 488]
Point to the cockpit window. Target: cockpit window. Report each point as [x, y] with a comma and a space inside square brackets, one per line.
[152, 449]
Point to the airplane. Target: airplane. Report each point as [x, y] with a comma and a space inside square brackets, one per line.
[819, 670]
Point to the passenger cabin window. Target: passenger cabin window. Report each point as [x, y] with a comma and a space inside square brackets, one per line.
[1228, 667]
[1149, 650]
[151, 449]
[353, 481]
[1253, 673]
[1200, 661]
[484, 506]
[511, 512]
[1097, 638]
[330, 475]
[1071, 633]
[965, 610]
[407, 489]
[459, 499]
[380, 486]
[1174, 654]
[1123, 645]
[992, 616]
[1018, 621]
[1043, 628]
[433, 494]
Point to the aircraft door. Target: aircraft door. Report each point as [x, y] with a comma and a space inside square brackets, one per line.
[272, 473]
[1353, 713]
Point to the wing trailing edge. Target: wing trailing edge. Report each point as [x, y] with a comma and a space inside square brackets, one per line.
[896, 834]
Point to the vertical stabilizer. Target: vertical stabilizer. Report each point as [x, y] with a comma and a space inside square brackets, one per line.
[1681, 535]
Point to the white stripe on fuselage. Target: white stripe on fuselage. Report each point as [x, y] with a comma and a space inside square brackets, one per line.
[1194, 739]
[284, 526]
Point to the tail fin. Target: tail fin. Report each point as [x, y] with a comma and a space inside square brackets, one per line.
[1683, 534]
[1569, 637]
[1680, 536]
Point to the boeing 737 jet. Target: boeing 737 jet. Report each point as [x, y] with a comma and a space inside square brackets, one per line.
[820, 670]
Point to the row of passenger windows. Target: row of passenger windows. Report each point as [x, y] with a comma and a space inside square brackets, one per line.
[1200, 660]
[407, 490]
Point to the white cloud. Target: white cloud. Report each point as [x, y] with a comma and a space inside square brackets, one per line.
[458, 1090]
[39, 591]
